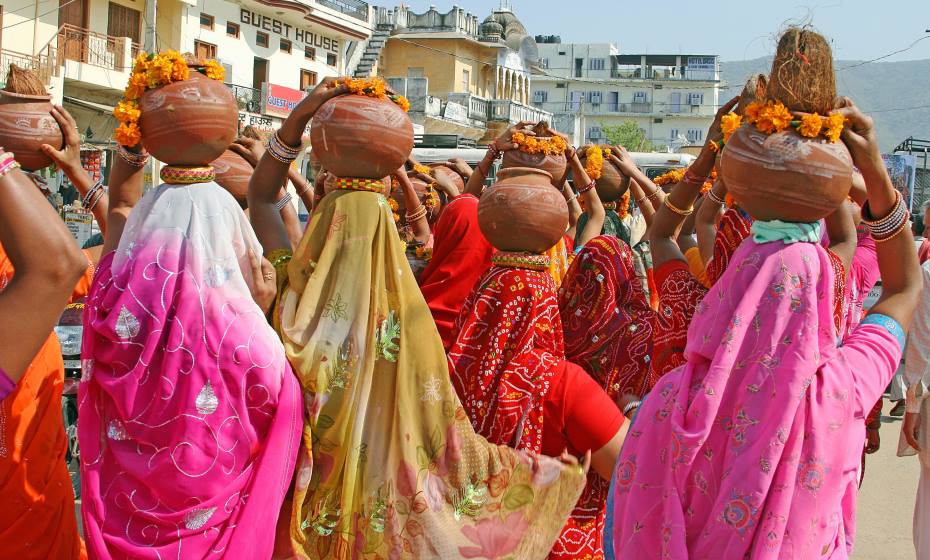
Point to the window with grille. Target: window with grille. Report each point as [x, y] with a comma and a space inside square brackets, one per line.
[695, 135]
[261, 39]
[466, 81]
[307, 79]
[330, 59]
[595, 133]
[310, 53]
[540, 96]
[204, 50]
[286, 46]
[596, 64]
[594, 97]
[673, 134]
[206, 21]
[124, 22]
[232, 29]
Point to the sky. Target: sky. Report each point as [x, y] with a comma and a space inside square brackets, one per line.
[735, 30]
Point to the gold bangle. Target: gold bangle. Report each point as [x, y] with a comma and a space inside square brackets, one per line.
[677, 210]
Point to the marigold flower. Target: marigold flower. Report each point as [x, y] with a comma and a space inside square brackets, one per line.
[401, 102]
[834, 127]
[214, 70]
[810, 126]
[752, 112]
[623, 205]
[594, 164]
[420, 168]
[729, 124]
[137, 86]
[128, 135]
[127, 111]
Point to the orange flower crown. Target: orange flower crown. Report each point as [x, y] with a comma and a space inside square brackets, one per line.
[594, 161]
[772, 116]
[373, 87]
[553, 146]
[150, 71]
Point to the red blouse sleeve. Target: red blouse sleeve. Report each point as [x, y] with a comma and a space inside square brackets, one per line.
[578, 413]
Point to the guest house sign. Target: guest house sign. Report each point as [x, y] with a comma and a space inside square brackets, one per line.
[288, 31]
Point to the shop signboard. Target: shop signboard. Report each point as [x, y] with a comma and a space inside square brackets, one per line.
[279, 101]
[80, 225]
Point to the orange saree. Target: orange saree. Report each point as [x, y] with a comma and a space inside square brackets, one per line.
[37, 519]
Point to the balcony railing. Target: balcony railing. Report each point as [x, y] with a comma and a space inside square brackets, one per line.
[579, 106]
[39, 64]
[96, 49]
[478, 107]
[354, 8]
[249, 99]
[505, 110]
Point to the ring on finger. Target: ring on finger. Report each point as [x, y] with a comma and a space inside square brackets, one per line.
[269, 276]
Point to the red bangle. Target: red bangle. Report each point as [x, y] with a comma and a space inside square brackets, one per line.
[587, 187]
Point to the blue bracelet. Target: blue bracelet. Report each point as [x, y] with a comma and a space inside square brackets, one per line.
[890, 325]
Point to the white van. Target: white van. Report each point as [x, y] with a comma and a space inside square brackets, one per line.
[652, 164]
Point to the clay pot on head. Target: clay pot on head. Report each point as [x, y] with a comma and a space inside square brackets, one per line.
[785, 176]
[359, 136]
[189, 122]
[557, 165]
[233, 174]
[25, 124]
[522, 211]
[440, 169]
[612, 184]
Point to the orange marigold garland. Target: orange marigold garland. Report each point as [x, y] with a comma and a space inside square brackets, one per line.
[594, 161]
[150, 71]
[533, 145]
[623, 205]
[670, 177]
[773, 116]
[431, 199]
[709, 183]
[373, 87]
[394, 207]
[729, 124]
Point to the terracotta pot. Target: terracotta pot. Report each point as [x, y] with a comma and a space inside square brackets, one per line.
[785, 176]
[612, 184]
[233, 174]
[557, 166]
[25, 124]
[190, 122]
[440, 169]
[359, 136]
[522, 211]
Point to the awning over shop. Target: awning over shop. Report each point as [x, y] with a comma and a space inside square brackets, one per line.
[95, 120]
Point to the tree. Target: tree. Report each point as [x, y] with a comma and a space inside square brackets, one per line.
[629, 135]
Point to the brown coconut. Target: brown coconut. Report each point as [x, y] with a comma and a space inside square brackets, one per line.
[753, 91]
[802, 75]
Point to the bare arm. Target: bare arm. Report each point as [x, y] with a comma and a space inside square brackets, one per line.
[270, 173]
[302, 186]
[685, 237]
[47, 265]
[897, 260]
[842, 232]
[705, 221]
[126, 184]
[68, 159]
[420, 226]
[592, 202]
[604, 460]
[574, 209]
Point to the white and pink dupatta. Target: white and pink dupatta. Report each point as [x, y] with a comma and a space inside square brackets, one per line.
[189, 413]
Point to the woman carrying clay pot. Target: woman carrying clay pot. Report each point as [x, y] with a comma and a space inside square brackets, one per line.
[754, 443]
[389, 465]
[508, 360]
[190, 415]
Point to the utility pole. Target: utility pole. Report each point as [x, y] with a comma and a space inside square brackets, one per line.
[150, 43]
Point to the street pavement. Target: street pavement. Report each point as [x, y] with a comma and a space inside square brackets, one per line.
[886, 499]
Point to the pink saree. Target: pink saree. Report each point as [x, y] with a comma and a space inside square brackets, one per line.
[751, 449]
[190, 415]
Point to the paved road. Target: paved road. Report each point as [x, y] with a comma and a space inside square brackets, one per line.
[886, 500]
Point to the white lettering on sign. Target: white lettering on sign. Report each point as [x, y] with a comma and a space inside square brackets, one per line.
[288, 31]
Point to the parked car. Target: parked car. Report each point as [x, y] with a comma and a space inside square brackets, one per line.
[69, 331]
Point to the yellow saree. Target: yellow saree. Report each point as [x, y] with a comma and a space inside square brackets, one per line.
[390, 466]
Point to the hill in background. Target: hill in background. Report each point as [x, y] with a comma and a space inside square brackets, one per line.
[882, 89]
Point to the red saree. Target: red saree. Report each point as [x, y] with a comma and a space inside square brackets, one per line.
[461, 254]
[608, 326]
[733, 228]
[508, 348]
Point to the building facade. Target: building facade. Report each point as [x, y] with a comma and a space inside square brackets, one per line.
[591, 86]
[273, 50]
[462, 77]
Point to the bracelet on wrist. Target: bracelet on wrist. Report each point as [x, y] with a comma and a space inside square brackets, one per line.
[631, 406]
[284, 201]
[587, 187]
[97, 188]
[677, 210]
[715, 198]
[135, 159]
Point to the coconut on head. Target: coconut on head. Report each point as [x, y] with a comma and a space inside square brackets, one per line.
[754, 91]
[784, 175]
[26, 121]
